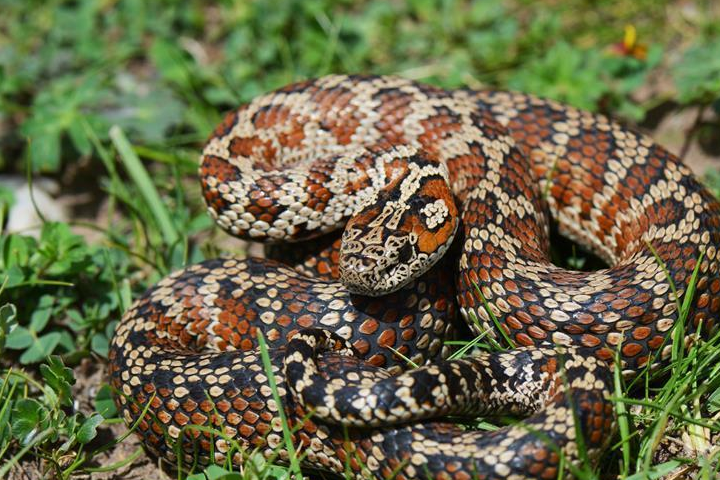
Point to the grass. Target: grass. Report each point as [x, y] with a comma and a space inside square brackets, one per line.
[113, 99]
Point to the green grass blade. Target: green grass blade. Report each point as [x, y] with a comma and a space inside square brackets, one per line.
[139, 175]
[622, 416]
[119, 464]
[495, 320]
[287, 435]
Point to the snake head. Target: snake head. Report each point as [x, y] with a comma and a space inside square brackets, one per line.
[401, 234]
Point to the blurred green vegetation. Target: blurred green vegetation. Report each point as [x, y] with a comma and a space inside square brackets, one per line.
[163, 72]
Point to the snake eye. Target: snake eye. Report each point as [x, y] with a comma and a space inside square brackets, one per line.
[405, 252]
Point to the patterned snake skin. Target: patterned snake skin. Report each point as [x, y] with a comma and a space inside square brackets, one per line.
[406, 170]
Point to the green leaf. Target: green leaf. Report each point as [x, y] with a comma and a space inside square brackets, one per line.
[55, 110]
[100, 344]
[62, 252]
[565, 73]
[51, 398]
[714, 401]
[125, 294]
[215, 472]
[28, 419]
[19, 338]
[697, 74]
[77, 321]
[88, 429]
[45, 149]
[58, 377]
[16, 250]
[105, 402]
[79, 137]
[67, 342]
[14, 276]
[40, 348]
[8, 312]
[110, 327]
[42, 313]
[69, 429]
[7, 198]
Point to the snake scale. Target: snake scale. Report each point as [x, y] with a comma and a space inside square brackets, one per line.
[441, 204]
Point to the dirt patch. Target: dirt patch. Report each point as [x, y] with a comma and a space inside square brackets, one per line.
[698, 153]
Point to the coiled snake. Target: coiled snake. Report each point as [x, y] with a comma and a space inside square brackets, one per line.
[407, 168]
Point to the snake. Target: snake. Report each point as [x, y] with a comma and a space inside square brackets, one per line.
[392, 209]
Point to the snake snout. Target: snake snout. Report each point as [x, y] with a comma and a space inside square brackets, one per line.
[377, 269]
[356, 275]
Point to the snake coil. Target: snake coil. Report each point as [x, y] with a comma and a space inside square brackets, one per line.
[400, 171]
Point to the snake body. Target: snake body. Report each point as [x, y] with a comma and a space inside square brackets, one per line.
[408, 168]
